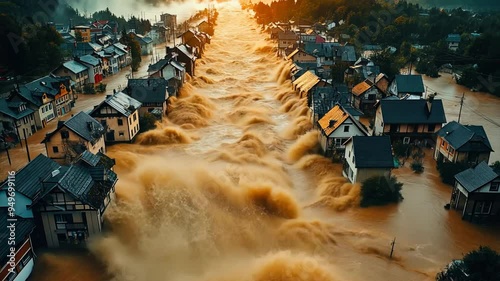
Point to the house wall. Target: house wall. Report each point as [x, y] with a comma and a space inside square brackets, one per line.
[378, 127]
[46, 112]
[473, 201]
[366, 173]
[94, 224]
[24, 254]
[57, 141]
[122, 133]
[22, 203]
[168, 72]
[27, 125]
[303, 57]
[352, 171]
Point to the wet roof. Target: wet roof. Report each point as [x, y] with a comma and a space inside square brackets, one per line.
[74, 66]
[372, 152]
[396, 111]
[410, 83]
[121, 102]
[90, 60]
[465, 137]
[305, 82]
[474, 178]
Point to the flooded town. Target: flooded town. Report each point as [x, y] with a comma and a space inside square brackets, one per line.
[241, 140]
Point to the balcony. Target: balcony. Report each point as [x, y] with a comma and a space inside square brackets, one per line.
[76, 226]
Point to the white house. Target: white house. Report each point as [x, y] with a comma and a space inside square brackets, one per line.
[367, 157]
[476, 193]
[336, 127]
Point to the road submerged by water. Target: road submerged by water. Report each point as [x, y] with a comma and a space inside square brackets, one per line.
[228, 189]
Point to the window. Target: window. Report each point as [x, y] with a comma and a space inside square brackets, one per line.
[483, 207]
[120, 122]
[135, 116]
[121, 134]
[443, 143]
[431, 127]
[406, 140]
[338, 142]
[346, 129]
[494, 186]
[55, 149]
[62, 220]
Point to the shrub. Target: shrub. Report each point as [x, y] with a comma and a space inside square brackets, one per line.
[401, 149]
[377, 191]
[101, 88]
[88, 89]
[147, 122]
[448, 170]
[482, 264]
[417, 166]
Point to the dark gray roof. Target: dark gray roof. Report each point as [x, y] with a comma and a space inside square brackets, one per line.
[465, 138]
[325, 98]
[121, 102]
[29, 178]
[11, 109]
[158, 65]
[474, 178]
[85, 126]
[48, 84]
[185, 49]
[150, 90]
[372, 152]
[74, 66]
[395, 111]
[23, 229]
[410, 83]
[90, 158]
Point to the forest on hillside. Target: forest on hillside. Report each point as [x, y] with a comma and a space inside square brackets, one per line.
[465, 4]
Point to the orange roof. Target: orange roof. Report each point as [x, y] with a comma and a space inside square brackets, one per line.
[361, 88]
[337, 116]
[382, 82]
[305, 82]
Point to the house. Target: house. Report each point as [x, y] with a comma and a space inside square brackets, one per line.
[336, 127]
[185, 55]
[453, 41]
[109, 60]
[305, 83]
[66, 202]
[462, 143]
[476, 193]
[382, 82]
[301, 56]
[78, 72]
[370, 50]
[171, 70]
[366, 157]
[94, 67]
[158, 33]
[152, 93]
[118, 55]
[365, 95]
[119, 115]
[17, 256]
[16, 119]
[204, 26]
[286, 40]
[73, 136]
[411, 86]
[274, 29]
[79, 49]
[308, 36]
[409, 120]
[362, 69]
[84, 31]
[146, 43]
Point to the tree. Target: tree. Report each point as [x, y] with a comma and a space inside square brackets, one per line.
[147, 122]
[377, 191]
[134, 48]
[390, 63]
[448, 170]
[482, 264]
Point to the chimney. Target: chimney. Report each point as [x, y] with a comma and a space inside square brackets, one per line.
[430, 99]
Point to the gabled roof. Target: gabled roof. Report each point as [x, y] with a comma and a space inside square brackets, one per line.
[29, 178]
[83, 125]
[177, 65]
[382, 82]
[10, 109]
[305, 82]
[48, 84]
[287, 35]
[372, 151]
[150, 90]
[159, 65]
[332, 120]
[121, 102]
[409, 83]
[465, 138]
[74, 66]
[89, 158]
[474, 178]
[361, 88]
[89, 59]
[396, 111]
[184, 50]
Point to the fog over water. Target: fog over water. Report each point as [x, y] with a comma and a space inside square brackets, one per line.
[229, 188]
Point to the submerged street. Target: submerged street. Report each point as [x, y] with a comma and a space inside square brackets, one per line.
[229, 187]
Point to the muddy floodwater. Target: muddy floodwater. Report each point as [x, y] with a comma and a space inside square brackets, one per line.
[229, 188]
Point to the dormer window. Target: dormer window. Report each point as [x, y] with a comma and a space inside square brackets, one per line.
[22, 107]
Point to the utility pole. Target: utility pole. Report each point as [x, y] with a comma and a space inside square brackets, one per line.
[27, 148]
[461, 105]
[392, 247]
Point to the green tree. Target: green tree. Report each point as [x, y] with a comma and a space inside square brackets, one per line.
[377, 191]
[147, 122]
[389, 63]
[482, 264]
[134, 47]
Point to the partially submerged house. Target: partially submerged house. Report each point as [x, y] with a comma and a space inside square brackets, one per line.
[409, 120]
[366, 157]
[365, 95]
[476, 193]
[152, 93]
[119, 115]
[408, 86]
[336, 127]
[462, 143]
[73, 136]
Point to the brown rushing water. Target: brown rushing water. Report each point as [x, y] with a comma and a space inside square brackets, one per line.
[226, 189]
